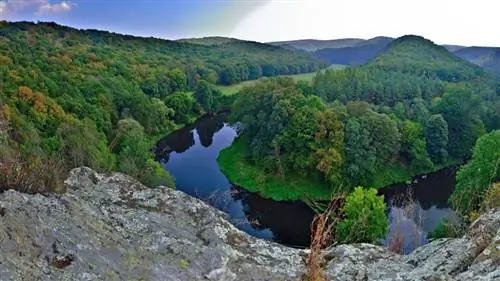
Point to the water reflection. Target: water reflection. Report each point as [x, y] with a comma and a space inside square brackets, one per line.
[182, 140]
[190, 155]
[418, 208]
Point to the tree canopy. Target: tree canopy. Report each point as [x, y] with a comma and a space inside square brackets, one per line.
[411, 110]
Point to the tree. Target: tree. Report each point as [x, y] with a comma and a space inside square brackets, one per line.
[154, 116]
[207, 96]
[365, 220]
[436, 133]
[329, 144]
[385, 135]
[82, 145]
[360, 153]
[134, 156]
[177, 80]
[478, 174]
[413, 146]
[183, 105]
[461, 109]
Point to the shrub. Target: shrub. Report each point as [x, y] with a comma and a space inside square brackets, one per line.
[446, 229]
[365, 219]
[477, 176]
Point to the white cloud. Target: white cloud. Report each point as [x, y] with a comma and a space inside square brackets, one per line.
[3, 7]
[39, 7]
[54, 8]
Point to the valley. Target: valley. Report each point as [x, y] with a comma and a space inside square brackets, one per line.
[306, 143]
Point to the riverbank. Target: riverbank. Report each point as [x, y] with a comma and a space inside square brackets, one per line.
[254, 179]
[239, 171]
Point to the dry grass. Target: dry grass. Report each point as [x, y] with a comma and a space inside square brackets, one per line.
[27, 174]
[32, 176]
[322, 236]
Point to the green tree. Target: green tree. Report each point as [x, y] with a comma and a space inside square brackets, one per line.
[413, 146]
[360, 153]
[329, 144]
[177, 80]
[134, 156]
[365, 219]
[207, 96]
[478, 174]
[436, 133]
[82, 145]
[461, 109]
[183, 105]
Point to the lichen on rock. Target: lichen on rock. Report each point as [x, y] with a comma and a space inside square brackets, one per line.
[111, 227]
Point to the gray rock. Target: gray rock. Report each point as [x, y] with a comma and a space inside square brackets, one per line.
[113, 228]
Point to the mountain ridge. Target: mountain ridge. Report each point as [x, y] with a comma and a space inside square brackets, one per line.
[419, 55]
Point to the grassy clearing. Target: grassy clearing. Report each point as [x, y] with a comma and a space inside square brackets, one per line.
[254, 179]
[233, 89]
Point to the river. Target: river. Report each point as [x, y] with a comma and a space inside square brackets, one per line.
[190, 155]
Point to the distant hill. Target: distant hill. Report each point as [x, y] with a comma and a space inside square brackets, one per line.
[415, 54]
[311, 45]
[212, 40]
[453, 48]
[353, 51]
[492, 63]
[474, 54]
[356, 54]
[487, 57]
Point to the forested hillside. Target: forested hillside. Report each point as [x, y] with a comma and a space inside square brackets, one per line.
[413, 109]
[212, 40]
[311, 45]
[486, 57]
[419, 56]
[355, 54]
[73, 97]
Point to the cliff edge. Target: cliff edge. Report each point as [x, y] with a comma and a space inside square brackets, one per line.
[111, 227]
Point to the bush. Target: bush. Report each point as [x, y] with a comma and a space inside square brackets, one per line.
[476, 177]
[445, 229]
[365, 219]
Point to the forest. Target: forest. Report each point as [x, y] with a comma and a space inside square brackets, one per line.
[412, 110]
[72, 97]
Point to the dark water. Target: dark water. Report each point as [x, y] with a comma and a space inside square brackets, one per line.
[190, 155]
[420, 206]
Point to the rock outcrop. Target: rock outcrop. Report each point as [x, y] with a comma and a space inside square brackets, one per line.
[114, 228]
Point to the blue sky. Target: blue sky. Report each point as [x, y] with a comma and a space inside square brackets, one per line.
[461, 22]
[159, 18]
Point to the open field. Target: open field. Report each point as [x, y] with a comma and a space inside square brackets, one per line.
[233, 89]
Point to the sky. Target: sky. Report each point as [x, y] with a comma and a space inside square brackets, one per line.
[461, 22]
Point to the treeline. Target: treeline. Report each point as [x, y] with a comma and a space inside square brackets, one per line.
[371, 125]
[85, 97]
